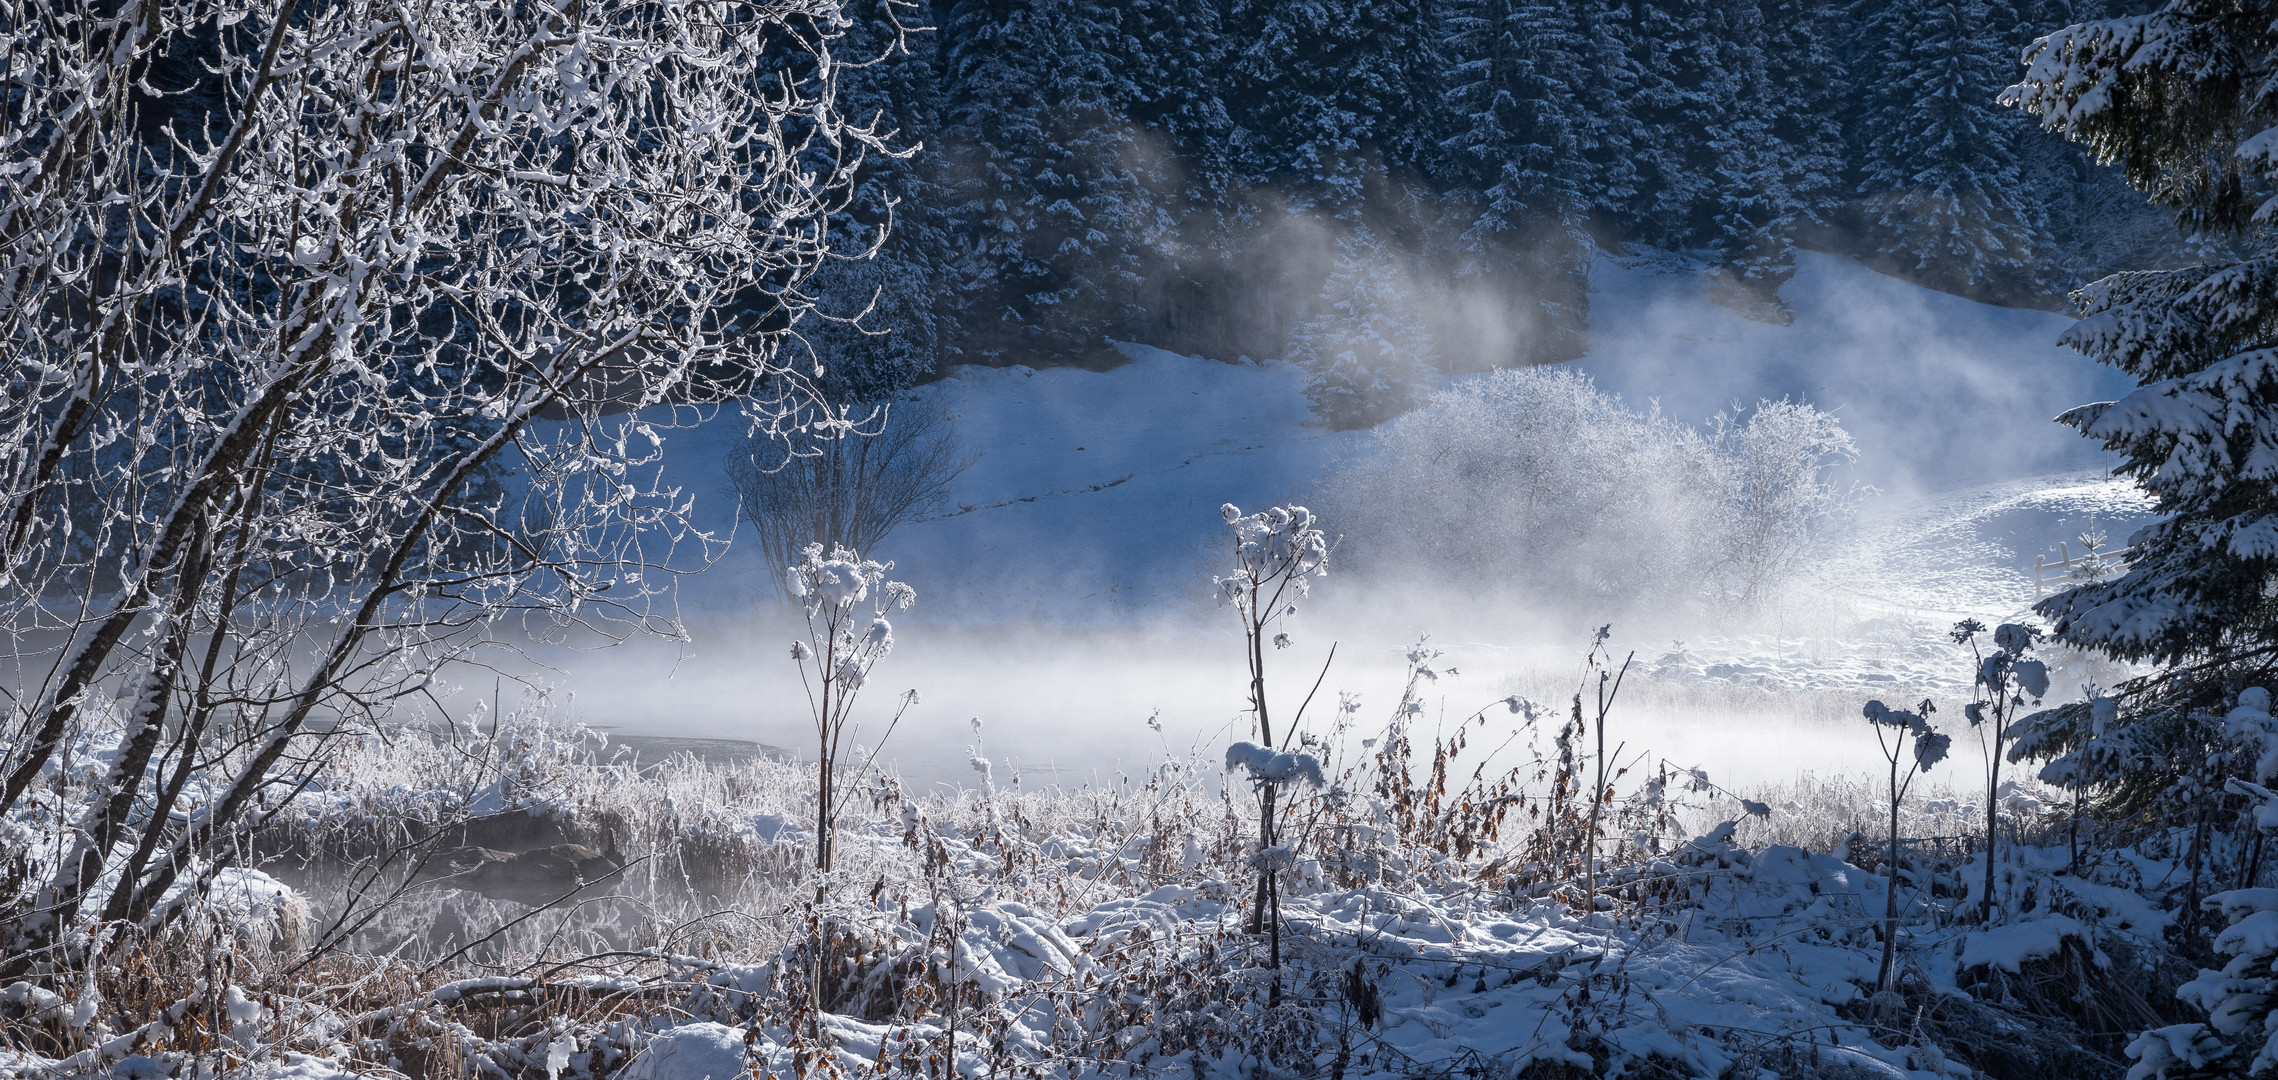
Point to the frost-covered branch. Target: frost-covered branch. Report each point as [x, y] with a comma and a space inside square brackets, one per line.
[337, 346]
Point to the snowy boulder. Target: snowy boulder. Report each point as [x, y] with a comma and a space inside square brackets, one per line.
[1006, 945]
[2010, 947]
[261, 910]
[700, 1051]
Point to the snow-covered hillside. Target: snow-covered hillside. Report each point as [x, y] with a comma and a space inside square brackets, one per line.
[1094, 494]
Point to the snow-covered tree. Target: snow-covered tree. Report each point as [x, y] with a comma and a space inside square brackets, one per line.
[2172, 99]
[1513, 167]
[1937, 154]
[1330, 94]
[1044, 193]
[1682, 103]
[272, 324]
[881, 318]
[2168, 97]
[1367, 354]
[1605, 77]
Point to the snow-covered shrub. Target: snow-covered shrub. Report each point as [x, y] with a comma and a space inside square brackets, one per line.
[1535, 478]
[1771, 475]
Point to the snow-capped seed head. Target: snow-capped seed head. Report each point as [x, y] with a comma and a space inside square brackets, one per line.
[2032, 678]
[1155, 720]
[1281, 641]
[1975, 711]
[1966, 629]
[881, 632]
[1756, 809]
[797, 581]
[838, 582]
[2014, 638]
[976, 722]
[1930, 748]
[799, 651]
[1231, 513]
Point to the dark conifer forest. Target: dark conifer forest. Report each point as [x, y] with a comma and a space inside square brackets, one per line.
[1220, 176]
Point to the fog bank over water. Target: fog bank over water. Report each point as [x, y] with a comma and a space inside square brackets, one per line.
[1065, 595]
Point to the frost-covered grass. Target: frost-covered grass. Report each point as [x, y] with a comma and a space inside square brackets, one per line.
[1434, 923]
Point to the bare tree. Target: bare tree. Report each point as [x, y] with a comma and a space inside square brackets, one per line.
[893, 464]
[336, 333]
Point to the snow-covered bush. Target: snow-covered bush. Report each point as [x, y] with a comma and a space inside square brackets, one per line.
[1534, 477]
[288, 291]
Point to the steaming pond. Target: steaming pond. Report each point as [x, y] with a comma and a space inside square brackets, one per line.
[1073, 706]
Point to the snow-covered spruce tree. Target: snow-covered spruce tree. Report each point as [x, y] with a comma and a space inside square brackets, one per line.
[1277, 553]
[1937, 155]
[1366, 352]
[1513, 169]
[2169, 97]
[1328, 95]
[1756, 210]
[1044, 191]
[1179, 54]
[1808, 85]
[1684, 98]
[269, 317]
[2177, 99]
[1605, 77]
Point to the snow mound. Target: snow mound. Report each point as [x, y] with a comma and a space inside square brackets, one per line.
[698, 1051]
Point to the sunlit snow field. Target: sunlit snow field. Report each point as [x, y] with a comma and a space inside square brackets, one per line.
[1065, 597]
